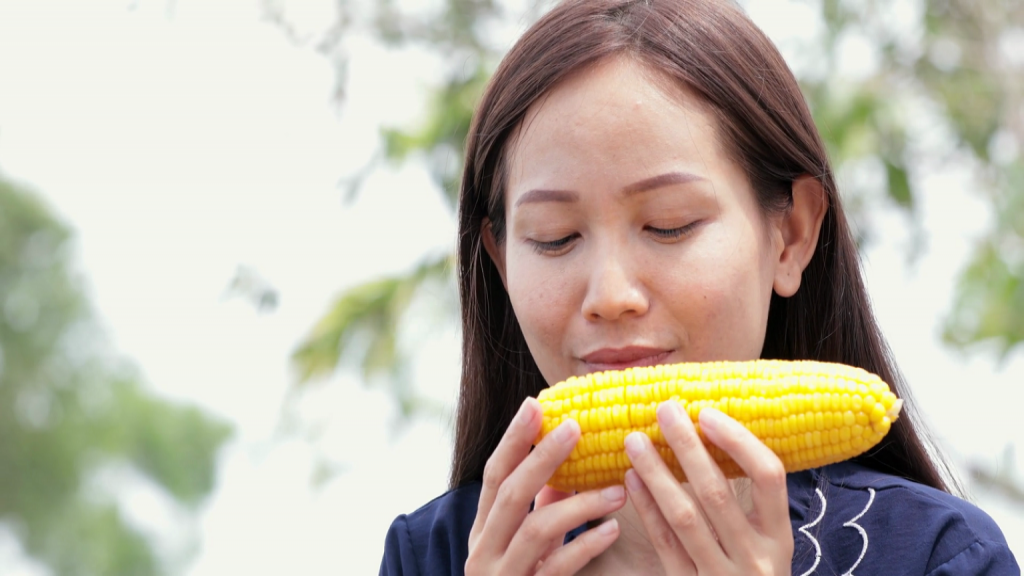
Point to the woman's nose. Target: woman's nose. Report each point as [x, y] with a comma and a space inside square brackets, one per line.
[614, 292]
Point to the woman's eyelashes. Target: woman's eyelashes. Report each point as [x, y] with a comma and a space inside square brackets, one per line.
[562, 245]
[674, 233]
[554, 247]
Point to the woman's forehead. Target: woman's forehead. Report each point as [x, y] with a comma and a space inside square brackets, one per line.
[617, 86]
[608, 116]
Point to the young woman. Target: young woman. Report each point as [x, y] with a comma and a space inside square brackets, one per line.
[644, 185]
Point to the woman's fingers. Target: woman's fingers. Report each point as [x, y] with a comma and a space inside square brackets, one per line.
[550, 524]
[680, 511]
[504, 531]
[670, 550]
[546, 497]
[713, 492]
[512, 499]
[573, 557]
[549, 495]
[767, 474]
[668, 510]
[513, 448]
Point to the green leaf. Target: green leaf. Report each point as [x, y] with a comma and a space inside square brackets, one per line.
[899, 184]
[373, 309]
[989, 303]
[173, 444]
[442, 135]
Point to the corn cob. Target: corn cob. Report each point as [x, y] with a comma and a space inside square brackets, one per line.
[809, 413]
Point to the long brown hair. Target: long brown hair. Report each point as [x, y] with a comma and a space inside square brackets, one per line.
[714, 50]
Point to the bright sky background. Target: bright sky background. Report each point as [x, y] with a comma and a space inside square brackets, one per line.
[181, 148]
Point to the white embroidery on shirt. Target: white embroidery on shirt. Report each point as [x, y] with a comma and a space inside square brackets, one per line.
[852, 523]
[817, 547]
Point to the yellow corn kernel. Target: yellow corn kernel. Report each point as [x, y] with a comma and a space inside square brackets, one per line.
[809, 413]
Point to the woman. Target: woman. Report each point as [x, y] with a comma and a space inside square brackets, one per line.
[644, 185]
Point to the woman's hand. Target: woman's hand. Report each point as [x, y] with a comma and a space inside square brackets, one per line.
[506, 537]
[710, 533]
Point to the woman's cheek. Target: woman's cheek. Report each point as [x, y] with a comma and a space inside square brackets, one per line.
[539, 301]
[713, 316]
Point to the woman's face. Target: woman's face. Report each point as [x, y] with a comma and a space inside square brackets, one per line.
[632, 239]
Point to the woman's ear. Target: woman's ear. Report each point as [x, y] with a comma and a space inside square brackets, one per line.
[799, 229]
[495, 251]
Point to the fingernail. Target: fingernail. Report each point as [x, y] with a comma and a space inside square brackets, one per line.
[635, 444]
[633, 480]
[523, 415]
[564, 432]
[613, 493]
[669, 413]
[608, 528]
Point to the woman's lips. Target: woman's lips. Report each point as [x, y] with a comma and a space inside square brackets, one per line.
[622, 358]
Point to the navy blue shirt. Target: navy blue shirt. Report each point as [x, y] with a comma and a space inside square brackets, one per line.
[847, 519]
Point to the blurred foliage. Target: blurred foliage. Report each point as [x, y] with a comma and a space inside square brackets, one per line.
[69, 409]
[443, 133]
[944, 85]
[965, 62]
[990, 299]
[249, 285]
[371, 311]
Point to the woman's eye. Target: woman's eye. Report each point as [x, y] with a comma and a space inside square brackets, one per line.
[554, 245]
[672, 233]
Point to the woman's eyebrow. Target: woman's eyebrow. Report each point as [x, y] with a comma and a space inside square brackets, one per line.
[548, 196]
[666, 179]
[659, 181]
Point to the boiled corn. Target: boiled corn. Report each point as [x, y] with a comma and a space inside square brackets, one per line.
[809, 413]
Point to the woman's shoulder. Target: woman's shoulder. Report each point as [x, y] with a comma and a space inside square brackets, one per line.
[434, 538]
[847, 516]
